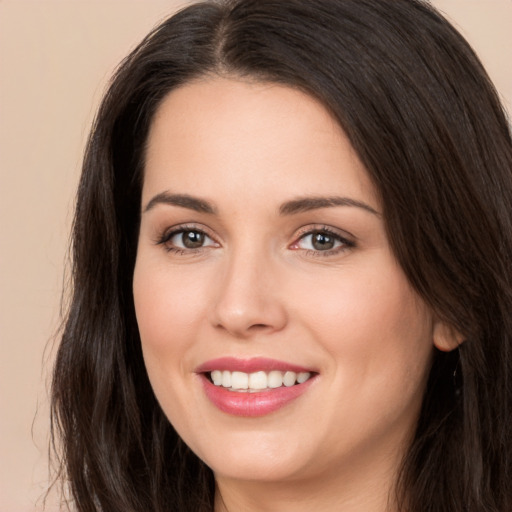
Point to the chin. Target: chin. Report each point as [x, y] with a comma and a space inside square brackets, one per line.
[256, 456]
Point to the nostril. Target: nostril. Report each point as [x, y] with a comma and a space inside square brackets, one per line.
[258, 327]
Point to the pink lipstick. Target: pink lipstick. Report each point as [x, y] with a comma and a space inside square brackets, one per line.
[253, 387]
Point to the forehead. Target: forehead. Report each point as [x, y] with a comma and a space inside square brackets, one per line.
[236, 134]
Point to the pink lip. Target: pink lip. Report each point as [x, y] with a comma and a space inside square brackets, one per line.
[252, 404]
[248, 404]
[255, 364]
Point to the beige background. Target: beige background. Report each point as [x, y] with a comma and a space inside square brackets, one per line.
[55, 58]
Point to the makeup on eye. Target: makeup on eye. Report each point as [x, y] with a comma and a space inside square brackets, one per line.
[313, 239]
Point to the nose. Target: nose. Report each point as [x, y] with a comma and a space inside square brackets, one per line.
[248, 299]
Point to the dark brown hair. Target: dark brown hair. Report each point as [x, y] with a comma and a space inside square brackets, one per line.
[425, 120]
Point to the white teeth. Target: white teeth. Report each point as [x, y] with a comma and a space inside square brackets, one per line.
[239, 380]
[257, 381]
[275, 380]
[226, 379]
[303, 377]
[289, 379]
[217, 377]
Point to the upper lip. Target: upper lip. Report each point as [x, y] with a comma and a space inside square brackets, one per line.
[251, 365]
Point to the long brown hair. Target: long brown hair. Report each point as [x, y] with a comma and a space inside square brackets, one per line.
[425, 120]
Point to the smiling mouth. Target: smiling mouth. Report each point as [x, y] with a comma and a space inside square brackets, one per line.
[254, 387]
[257, 381]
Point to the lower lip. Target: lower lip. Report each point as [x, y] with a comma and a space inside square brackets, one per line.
[254, 404]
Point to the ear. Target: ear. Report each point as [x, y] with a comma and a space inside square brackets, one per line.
[446, 338]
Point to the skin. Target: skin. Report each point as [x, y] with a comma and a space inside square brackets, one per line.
[258, 287]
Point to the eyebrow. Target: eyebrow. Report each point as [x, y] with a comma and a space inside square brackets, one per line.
[314, 203]
[292, 207]
[182, 200]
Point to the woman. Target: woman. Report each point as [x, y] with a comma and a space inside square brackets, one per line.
[292, 277]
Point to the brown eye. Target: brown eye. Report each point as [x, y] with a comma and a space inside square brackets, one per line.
[187, 239]
[322, 241]
[192, 239]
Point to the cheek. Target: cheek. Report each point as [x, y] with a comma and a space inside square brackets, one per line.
[168, 310]
[167, 305]
[378, 337]
[375, 328]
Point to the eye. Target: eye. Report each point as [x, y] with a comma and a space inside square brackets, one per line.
[322, 240]
[182, 239]
[189, 239]
[319, 241]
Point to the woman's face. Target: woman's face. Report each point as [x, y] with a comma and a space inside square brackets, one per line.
[263, 261]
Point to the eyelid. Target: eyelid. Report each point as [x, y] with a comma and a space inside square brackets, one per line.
[347, 239]
[168, 233]
[311, 228]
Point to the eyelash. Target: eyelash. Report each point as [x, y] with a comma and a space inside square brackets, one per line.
[166, 236]
[345, 244]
